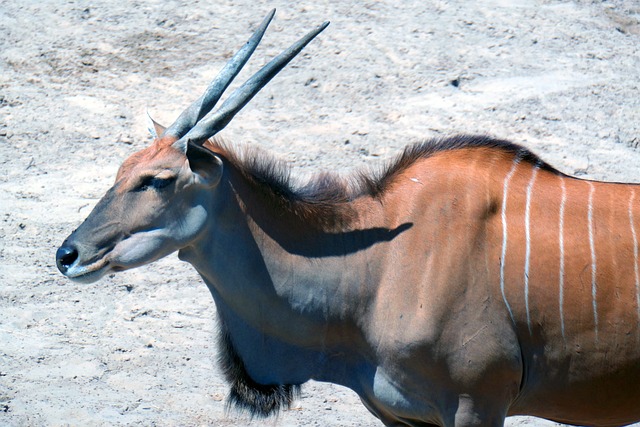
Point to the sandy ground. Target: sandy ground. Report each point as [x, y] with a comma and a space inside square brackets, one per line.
[561, 78]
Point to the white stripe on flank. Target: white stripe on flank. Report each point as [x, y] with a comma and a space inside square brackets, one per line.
[635, 249]
[593, 260]
[527, 234]
[505, 192]
[561, 243]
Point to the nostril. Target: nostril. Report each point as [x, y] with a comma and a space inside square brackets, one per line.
[65, 256]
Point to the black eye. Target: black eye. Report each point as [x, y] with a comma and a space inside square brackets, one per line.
[155, 183]
[159, 183]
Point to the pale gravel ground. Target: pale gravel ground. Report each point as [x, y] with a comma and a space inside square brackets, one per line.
[561, 78]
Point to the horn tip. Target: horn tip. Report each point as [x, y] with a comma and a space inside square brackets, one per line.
[271, 13]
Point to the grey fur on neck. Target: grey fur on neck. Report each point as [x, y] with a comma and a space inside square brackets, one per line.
[246, 395]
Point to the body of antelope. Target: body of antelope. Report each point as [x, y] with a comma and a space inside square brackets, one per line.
[464, 282]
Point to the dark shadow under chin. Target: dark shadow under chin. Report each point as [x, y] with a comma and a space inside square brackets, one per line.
[246, 395]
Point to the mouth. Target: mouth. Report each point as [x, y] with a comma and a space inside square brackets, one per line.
[88, 273]
[138, 249]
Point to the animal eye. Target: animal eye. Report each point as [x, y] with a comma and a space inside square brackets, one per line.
[155, 183]
[159, 183]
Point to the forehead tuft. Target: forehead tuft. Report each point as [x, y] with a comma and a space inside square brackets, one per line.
[157, 155]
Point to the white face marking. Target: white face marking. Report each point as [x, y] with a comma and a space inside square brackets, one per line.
[527, 234]
[561, 244]
[635, 249]
[505, 192]
[593, 260]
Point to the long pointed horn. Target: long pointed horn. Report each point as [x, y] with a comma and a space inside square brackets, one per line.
[216, 88]
[241, 96]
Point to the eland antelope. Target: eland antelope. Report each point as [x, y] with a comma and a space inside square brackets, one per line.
[464, 282]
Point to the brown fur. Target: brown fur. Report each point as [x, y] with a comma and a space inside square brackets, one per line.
[324, 201]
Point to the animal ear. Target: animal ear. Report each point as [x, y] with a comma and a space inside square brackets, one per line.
[155, 128]
[205, 165]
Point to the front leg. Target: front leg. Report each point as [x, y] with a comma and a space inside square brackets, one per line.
[391, 420]
[478, 412]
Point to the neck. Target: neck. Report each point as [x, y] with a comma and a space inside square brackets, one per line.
[288, 295]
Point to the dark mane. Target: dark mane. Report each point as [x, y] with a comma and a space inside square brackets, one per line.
[324, 200]
[378, 183]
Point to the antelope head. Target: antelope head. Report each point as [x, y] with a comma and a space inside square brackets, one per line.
[159, 201]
